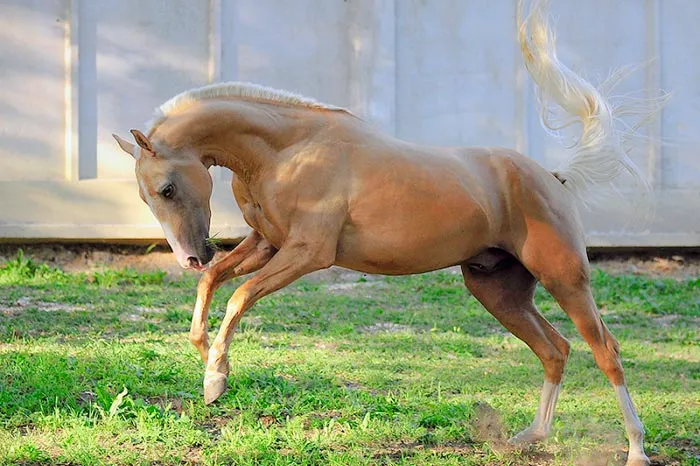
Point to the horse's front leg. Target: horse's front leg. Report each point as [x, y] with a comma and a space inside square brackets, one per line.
[293, 260]
[251, 254]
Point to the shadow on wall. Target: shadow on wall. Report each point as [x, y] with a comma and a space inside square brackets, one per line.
[31, 92]
[449, 75]
[124, 66]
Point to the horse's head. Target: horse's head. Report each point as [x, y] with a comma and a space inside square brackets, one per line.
[177, 187]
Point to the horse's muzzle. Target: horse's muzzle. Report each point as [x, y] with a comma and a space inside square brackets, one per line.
[200, 262]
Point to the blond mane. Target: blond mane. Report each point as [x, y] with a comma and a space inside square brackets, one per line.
[233, 89]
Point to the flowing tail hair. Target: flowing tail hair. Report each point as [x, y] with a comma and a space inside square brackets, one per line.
[601, 153]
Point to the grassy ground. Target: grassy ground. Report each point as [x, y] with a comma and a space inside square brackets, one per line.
[97, 369]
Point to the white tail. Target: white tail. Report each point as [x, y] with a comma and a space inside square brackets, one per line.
[601, 153]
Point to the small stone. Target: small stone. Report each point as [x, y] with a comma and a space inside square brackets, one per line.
[24, 301]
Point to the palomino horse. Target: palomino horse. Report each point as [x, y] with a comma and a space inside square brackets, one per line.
[319, 186]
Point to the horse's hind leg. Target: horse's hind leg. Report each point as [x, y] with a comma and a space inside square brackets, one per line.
[506, 289]
[558, 260]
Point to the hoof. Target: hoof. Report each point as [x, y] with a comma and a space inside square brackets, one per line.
[214, 386]
[638, 461]
[527, 437]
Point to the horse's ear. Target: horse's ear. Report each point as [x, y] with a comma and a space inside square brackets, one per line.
[142, 141]
[126, 146]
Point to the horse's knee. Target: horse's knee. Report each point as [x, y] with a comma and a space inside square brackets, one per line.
[612, 368]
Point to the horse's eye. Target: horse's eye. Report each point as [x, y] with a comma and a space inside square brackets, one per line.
[168, 191]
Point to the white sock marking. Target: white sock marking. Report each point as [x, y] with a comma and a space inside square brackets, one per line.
[545, 412]
[633, 426]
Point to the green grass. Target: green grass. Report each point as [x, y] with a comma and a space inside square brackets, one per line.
[97, 369]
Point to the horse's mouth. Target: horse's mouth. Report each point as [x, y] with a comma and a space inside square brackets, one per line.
[201, 262]
[196, 264]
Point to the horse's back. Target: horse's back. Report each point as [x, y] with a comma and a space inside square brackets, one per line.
[415, 208]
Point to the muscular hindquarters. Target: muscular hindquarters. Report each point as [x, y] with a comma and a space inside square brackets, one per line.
[547, 237]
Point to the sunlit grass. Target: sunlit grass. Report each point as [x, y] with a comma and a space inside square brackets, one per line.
[97, 369]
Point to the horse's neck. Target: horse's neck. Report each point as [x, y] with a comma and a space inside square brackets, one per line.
[244, 136]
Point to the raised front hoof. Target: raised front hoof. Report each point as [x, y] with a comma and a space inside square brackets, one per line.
[214, 386]
[638, 461]
[528, 436]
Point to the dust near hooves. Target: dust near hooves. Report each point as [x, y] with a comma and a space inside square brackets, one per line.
[488, 427]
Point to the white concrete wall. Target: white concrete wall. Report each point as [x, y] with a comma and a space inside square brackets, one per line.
[444, 72]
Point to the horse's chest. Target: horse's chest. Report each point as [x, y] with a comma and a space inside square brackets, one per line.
[259, 219]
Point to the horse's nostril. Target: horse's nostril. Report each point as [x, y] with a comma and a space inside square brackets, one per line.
[208, 254]
[193, 261]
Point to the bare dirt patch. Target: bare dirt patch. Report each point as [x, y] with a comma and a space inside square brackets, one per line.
[214, 424]
[617, 457]
[488, 427]
[93, 257]
[402, 449]
[687, 446]
[673, 264]
[193, 456]
[165, 403]
[12, 308]
[384, 327]
[90, 257]
[150, 310]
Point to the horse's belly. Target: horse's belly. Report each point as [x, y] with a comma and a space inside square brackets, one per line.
[397, 246]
